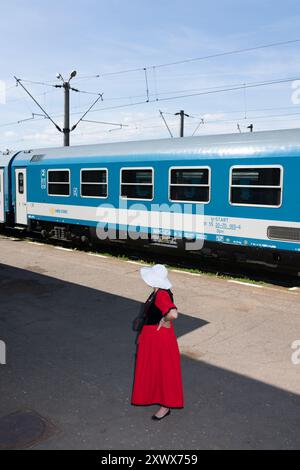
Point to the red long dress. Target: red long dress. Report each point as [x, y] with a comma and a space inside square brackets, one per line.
[157, 378]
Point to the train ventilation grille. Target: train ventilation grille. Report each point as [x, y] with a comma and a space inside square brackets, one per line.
[37, 158]
[284, 233]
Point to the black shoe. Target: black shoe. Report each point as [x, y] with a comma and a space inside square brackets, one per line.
[158, 419]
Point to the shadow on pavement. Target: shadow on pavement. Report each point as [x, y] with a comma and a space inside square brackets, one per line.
[70, 358]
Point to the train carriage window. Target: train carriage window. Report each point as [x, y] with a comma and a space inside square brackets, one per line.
[256, 186]
[21, 183]
[137, 183]
[93, 183]
[59, 182]
[190, 184]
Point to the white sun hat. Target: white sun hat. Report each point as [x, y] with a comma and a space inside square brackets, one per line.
[156, 276]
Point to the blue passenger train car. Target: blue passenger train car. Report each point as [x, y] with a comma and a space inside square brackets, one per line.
[229, 196]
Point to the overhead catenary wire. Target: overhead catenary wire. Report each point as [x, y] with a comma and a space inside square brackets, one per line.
[155, 81]
[210, 90]
[251, 118]
[105, 123]
[195, 59]
[31, 118]
[241, 111]
[200, 93]
[154, 96]
[58, 86]
[295, 116]
[229, 88]
[155, 67]
[227, 53]
[207, 91]
[37, 83]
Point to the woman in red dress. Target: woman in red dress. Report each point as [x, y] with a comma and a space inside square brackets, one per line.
[157, 378]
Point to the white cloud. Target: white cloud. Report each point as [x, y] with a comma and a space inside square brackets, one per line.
[9, 134]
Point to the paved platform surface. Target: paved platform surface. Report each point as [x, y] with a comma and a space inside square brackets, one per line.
[66, 319]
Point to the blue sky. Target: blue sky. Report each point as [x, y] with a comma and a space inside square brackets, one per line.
[42, 38]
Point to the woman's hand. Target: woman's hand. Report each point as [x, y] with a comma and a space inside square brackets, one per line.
[165, 321]
[164, 324]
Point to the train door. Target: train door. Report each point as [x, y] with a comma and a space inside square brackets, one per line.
[2, 211]
[21, 196]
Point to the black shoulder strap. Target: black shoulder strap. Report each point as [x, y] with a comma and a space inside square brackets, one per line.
[148, 303]
[171, 294]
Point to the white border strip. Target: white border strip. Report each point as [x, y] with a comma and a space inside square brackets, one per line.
[248, 284]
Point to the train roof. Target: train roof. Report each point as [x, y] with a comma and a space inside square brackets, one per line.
[5, 158]
[266, 143]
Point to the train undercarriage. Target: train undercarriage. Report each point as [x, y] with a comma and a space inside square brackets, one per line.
[281, 261]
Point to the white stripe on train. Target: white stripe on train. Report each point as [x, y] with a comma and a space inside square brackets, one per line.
[199, 223]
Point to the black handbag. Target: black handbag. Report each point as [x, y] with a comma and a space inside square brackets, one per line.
[140, 320]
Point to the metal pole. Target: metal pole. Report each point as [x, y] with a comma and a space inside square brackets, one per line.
[66, 130]
[182, 114]
[182, 123]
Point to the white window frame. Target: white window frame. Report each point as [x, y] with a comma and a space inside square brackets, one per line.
[81, 183]
[192, 185]
[237, 167]
[69, 182]
[137, 184]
